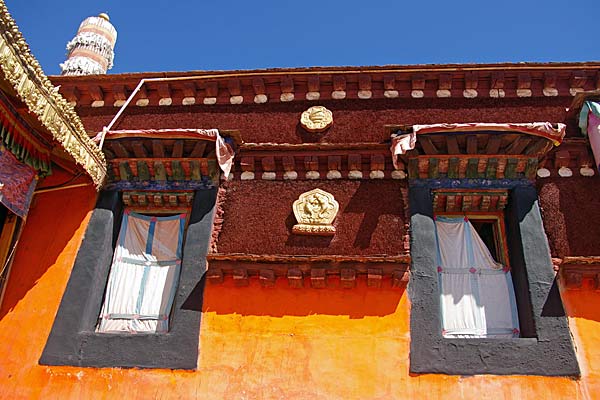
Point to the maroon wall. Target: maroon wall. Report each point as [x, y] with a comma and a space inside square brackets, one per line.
[258, 218]
[354, 120]
[571, 215]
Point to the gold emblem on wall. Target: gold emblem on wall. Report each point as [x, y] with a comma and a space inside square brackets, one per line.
[316, 119]
[315, 211]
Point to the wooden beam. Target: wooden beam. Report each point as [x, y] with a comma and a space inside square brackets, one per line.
[177, 149]
[164, 90]
[189, 89]
[160, 172]
[452, 144]
[493, 144]
[259, 85]
[428, 146]
[537, 147]
[471, 144]
[211, 89]
[195, 173]
[96, 92]
[518, 145]
[433, 171]
[492, 166]
[178, 173]
[234, 86]
[313, 83]
[198, 150]
[139, 150]
[143, 171]
[119, 92]
[289, 163]
[453, 168]
[119, 149]
[158, 150]
[511, 168]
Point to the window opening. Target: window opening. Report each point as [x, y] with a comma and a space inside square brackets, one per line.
[476, 288]
[144, 274]
[486, 229]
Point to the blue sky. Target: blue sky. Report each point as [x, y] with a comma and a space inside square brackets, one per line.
[205, 35]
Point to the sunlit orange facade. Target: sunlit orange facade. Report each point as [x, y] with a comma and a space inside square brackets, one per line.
[292, 316]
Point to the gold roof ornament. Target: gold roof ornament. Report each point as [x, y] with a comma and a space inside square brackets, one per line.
[315, 211]
[316, 119]
[25, 75]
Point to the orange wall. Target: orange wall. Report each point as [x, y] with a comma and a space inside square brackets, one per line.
[254, 342]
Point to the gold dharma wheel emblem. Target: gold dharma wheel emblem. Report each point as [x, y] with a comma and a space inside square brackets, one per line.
[316, 119]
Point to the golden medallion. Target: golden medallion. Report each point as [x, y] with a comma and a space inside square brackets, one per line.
[316, 119]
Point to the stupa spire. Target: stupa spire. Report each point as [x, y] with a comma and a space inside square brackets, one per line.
[91, 51]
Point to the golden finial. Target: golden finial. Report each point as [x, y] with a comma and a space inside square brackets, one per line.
[104, 16]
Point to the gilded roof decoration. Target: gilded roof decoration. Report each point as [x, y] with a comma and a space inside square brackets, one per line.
[27, 78]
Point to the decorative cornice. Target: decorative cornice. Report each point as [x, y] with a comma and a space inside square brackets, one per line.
[315, 161]
[25, 75]
[317, 84]
[318, 271]
[578, 272]
[468, 201]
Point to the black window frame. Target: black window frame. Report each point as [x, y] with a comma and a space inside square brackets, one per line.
[73, 339]
[545, 347]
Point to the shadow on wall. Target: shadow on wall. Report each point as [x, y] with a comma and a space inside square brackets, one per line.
[571, 215]
[281, 300]
[380, 207]
[51, 224]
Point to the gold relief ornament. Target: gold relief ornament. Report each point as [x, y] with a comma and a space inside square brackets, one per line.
[315, 211]
[316, 119]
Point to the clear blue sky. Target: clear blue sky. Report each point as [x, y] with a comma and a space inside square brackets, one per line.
[203, 35]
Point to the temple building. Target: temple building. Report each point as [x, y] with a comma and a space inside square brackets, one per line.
[420, 231]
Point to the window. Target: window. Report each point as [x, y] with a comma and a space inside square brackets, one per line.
[544, 332]
[143, 275]
[74, 339]
[476, 290]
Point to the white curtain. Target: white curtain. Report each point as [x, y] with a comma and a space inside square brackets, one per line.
[144, 274]
[477, 294]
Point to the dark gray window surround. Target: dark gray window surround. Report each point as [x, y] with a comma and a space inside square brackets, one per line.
[73, 340]
[545, 347]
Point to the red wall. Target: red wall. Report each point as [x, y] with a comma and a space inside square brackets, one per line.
[258, 218]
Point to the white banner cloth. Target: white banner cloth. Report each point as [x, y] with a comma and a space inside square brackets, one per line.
[477, 294]
[143, 275]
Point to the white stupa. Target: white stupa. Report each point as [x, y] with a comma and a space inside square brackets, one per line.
[91, 51]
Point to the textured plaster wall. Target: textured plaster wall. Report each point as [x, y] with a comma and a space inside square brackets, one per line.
[570, 210]
[255, 343]
[258, 218]
[354, 120]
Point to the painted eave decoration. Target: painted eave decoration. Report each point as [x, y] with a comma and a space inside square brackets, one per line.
[25, 75]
